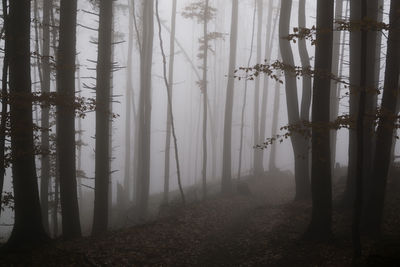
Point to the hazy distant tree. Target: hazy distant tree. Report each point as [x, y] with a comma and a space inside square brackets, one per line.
[103, 96]
[66, 55]
[143, 168]
[242, 120]
[321, 187]
[170, 89]
[385, 128]
[227, 146]
[298, 141]
[28, 228]
[258, 169]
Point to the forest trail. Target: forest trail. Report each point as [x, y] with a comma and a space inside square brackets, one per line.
[241, 230]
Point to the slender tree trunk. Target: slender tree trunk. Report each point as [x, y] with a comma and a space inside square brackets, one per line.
[143, 170]
[355, 44]
[103, 96]
[28, 228]
[128, 110]
[226, 185]
[321, 187]
[170, 90]
[45, 159]
[274, 130]
[264, 101]
[258, 169]
[385, 129]
[245, 94]
[204, 91]
[335, 71]
[66, 119]
[170, 111]
[4, 102]
[301, 178]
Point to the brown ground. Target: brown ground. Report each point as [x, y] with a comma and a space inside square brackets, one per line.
[263, 229]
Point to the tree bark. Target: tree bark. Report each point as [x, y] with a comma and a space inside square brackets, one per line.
[66, 55]
[321, 184]
[384, 140]
[28, 228]
[103, 97]
[143, 170]
[226, 183]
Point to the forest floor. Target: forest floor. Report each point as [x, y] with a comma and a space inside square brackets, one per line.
[261, 229]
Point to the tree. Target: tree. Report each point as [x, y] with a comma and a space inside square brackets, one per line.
[298, 142]
[143, 168]
[45, 144]
[28, 228]
[170, 91]
[227, 146]
[321, 187]
[385, 130]
[258, 169]
[103, 96]
[66, 55]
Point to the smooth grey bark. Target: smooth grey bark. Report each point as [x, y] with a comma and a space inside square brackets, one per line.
[335, 71]
[245, 94]
[321, 184]
[170, 111]
[170, 91]
[128, 109]
[264, 101]
[301, 168]
[144, 135]
[226, 183]
[385, 130]
[66, 144]
[258, 169]
[274, 130]
[103, 112]
[205, 97]
[355, 54]
[28, 228]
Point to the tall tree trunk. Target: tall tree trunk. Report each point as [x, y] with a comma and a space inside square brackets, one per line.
[258, 168]
[274, 130]
[205, 97]
[355, 44]
[385, 128]
[301, 168]
[103, 96]
[28, 228]
[4, 102]
[264, 101]
[226, 185]
[66, 119]
[143, 170]
[170, 111]
[128, 110]
[335, 71]
[170, 90]
[45, 159]
[321, 187]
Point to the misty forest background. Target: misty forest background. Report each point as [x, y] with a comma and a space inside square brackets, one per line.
[113, 111]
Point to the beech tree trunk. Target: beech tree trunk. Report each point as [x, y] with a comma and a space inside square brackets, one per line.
[28, 228]
[143, 168]
[301, 168]
[66, 119]
[384, 140]
[321, 184]
[103, 112]
[226, 185]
